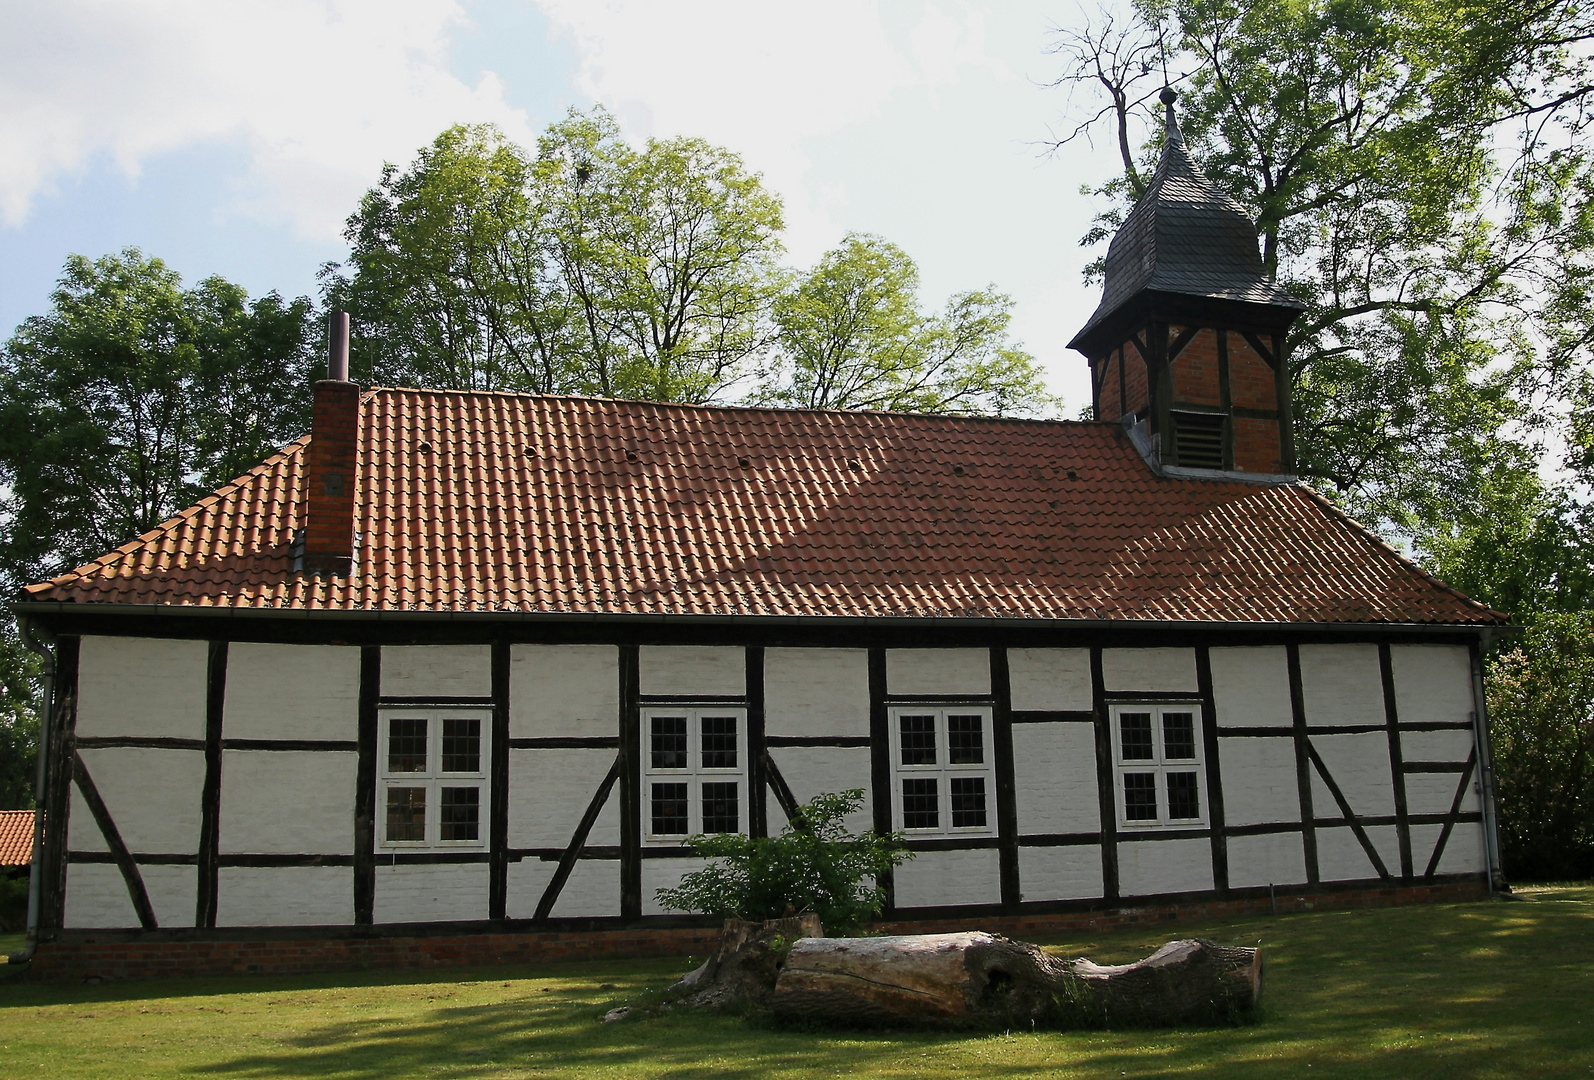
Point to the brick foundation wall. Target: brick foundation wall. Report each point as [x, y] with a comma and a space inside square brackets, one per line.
[82, 955]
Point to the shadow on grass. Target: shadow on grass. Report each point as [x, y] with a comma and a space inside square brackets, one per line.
[1462, 991]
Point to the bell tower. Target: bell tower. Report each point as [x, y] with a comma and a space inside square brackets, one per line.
[1187, 345]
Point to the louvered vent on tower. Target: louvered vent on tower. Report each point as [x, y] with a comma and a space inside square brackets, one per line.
[1198, 440]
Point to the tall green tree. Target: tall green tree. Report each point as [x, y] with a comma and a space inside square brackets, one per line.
[591, 267]
[134, 397]
[1419, 174]
[850, 334]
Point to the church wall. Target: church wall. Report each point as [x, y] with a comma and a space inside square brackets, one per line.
[1195, 369]
[284, 849]
[1250, 378]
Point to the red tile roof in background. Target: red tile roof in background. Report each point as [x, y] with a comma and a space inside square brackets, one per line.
[514, 503]
[16, 837]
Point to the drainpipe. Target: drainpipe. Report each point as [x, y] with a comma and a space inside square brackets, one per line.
[31, 637]
[1480, 727]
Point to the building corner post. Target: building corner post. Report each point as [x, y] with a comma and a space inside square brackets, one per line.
[1486, 792]
[37, 641]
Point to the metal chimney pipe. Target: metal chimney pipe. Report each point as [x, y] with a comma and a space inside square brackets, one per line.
[338, 347]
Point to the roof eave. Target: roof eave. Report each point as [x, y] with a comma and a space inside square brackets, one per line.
[57, 607]
[1108, 328]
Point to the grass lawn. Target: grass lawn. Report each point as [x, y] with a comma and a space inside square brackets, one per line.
[1466, 990]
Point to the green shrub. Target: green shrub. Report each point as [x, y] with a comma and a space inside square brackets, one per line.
[1541, 725]
[814, 865]
[13, 904]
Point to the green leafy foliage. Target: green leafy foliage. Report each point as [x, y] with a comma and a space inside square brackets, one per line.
[1541, 721]
[850, 335]
[814, 865]
[132, 399]
[21, 694]
[591, 267]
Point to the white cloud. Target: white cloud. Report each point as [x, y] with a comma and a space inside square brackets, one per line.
[761, 78]
[318, 92]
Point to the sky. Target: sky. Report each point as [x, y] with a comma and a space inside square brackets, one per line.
[235, 138]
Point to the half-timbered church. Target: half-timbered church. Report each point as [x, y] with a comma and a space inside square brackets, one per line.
[470, 667]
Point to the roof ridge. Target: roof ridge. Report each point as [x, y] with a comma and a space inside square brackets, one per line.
[1390, 550]
[143, 539]
[716, 407]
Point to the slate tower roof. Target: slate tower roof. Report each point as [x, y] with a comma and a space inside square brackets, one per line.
[1185, 236]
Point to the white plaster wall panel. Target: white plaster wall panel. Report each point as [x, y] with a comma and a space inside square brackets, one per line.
[706, 670]
[938, 671]
[941, 878]
[1150, 670]
[817, 770]
[1150, 867]
[285, 896]
[564, 691]
[288, 802]
[1342, 684]
[82, 831]
[1360, 767]
[1432, 793]
[1452, 745]
[1060, 873]
[1259, 780]
[434, 671]
[445, 892]
[663, 874]
[96, 896]
[549, 791]
[173, 893]
[1433, 683]
[152, 795]
[1341, 857]
[1251, 687]
[816, 691]
[1054, 778]
[524, 883]
[1274, 859]
[592, 890]
[148, 687]
[1050, 680]
[1463, 852]
[292, 692]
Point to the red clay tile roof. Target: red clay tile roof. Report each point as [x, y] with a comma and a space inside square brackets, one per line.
[16, 837]
[498, 502]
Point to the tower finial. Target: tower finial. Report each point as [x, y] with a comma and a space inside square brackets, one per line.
[1172, 135]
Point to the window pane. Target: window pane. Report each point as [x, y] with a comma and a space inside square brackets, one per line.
[406, 744]
[406, 813]
[920, 807]
[918, 740]
[1184, 799]
[1135, 736]
[461, 813]
[1178, 736]
[968, 802]
[462, 746]
[669, 743]
[1140, 796]
[669, 810]
[965, 742]
[719, 745]
[719, 808]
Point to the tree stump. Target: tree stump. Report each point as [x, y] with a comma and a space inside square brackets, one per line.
[979, 978]
[743, 968]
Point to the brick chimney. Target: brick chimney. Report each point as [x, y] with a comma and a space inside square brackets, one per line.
[329, 474]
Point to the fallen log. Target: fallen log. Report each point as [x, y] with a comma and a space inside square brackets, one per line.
[744, 965]
[979, 978]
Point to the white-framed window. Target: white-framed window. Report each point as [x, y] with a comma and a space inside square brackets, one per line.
[694, 772]
[1158, 765]
[432, 787]
[942, 774]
